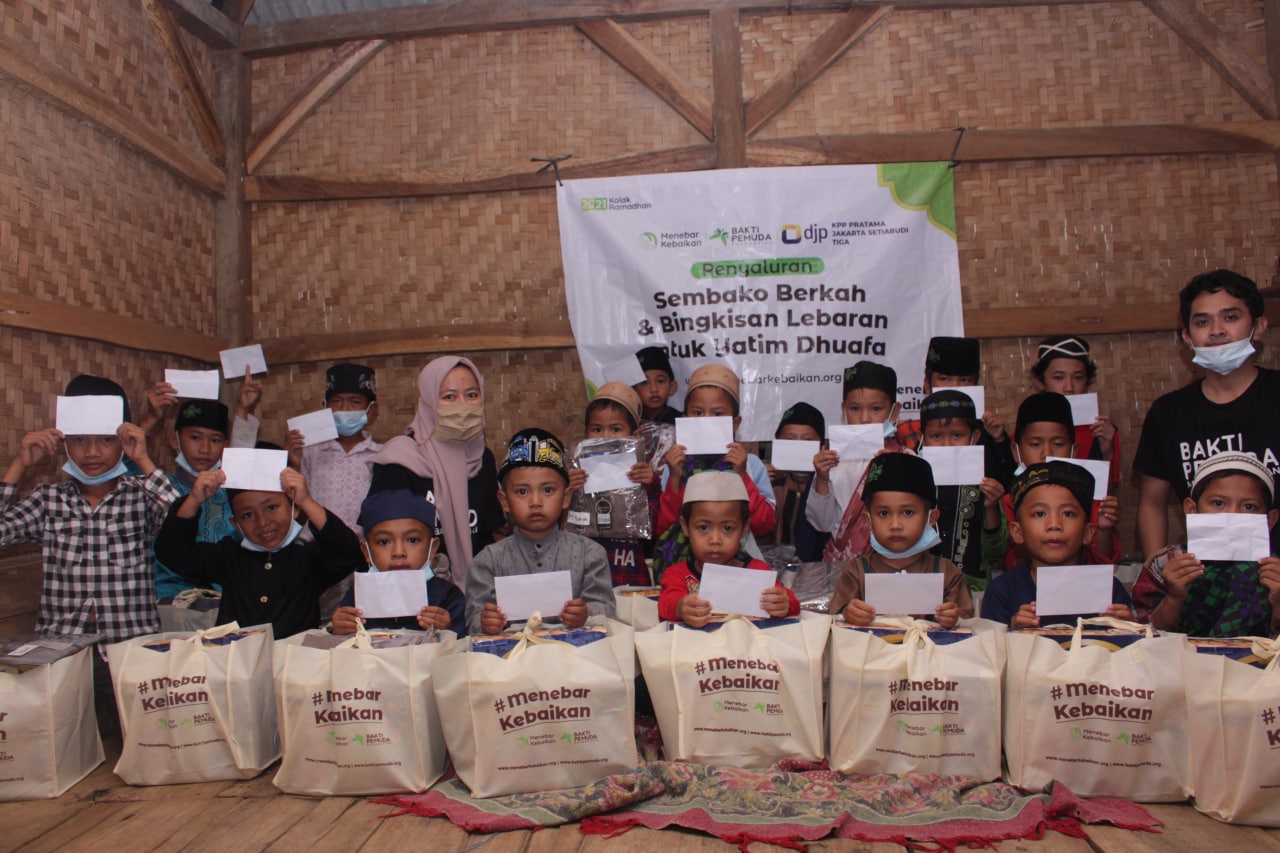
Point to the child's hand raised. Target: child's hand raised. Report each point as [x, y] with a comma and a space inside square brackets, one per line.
[1109, 512]
[162, 398]
[294, 485]
[1269, 576]
[1025, 617]
[947, 614]
[992, 492]
[37, 445]
[823, 462]
[642, 473]
[674, 461]
[574, 614]
[774, 601]
[346, 619]
[693, 611]
[1105, 432]
[995, 425]
[1179, 573]
[294, 442]
[206, 485]
[250, 393]
[134, 443]
[492, 620]
[736, 457]
[858, 612]
[577, 479]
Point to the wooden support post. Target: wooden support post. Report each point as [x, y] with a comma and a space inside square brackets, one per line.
[233, 234]
[727, 109]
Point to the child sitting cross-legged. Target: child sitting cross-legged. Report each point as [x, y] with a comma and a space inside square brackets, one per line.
[399, 534]
[901, 504]
[1177, 591]
[267, 576]
[1049, 501]
[533, 490]
[714, 517]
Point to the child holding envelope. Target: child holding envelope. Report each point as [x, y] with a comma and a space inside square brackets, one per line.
[901, 511]
[533, 490]
[1179, 591]
[714, 516]
[1049, 501]
[399, 534]
[268, 576]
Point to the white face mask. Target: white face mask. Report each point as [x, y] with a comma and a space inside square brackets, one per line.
[928, 539]
[1226, 358]
[73, 469]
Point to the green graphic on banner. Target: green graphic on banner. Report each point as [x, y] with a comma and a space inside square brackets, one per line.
[923, 186]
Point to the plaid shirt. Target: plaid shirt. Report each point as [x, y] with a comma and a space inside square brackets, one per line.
[97, 563]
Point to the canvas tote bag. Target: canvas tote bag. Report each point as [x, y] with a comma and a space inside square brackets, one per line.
[915, 706]
[195, 707]
[1234, 710]
[547, 715]
[358, 720]
[738, 695]
[48, 728]
[1103, 723]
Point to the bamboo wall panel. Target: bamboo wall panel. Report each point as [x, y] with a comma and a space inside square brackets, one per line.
[370, 265]
[93, 224]
[277, 78]
[96, 225]
[481, 104]
[682, 43]
[1040, 66]
[110, 45]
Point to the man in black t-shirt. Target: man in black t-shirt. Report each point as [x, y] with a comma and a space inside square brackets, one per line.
[1235, 407]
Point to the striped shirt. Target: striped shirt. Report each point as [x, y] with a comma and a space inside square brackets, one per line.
[98, 570]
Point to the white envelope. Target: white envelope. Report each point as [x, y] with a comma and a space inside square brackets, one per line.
[194, 384]
[386, 595]
[856, 442]
[1099, 468]
[1062, 590]
[627, 371]
[1236, 536]
[977, 393]
[710, 436]
[904, 593]
[315, 426]
[956, 466]
[607, 472]
[1084, 408]
[89, 415]
[519, 596]
[234, 361]
[789, 455]
[729, 589]
[257, 470]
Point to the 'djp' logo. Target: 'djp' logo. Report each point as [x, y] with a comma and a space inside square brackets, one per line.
[791, 234]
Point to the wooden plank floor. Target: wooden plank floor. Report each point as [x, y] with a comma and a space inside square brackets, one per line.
[103, 813]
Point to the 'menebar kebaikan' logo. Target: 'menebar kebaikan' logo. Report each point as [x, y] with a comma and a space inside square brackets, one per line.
[671, 240]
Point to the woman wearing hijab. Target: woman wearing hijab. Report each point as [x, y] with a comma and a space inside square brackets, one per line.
[444, 458]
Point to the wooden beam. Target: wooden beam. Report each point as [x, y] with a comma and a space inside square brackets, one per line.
[1108, 319]
[282, 188]
[59, 318]
[980, 145]
[656, 75]
[1219, 50]
[238, 10]
[726, 82]
[197, 98]
[232, 224]
[462, 16]
[472, 337]
[206, 23]
[834, 41]
[345, 62]
[71, 94]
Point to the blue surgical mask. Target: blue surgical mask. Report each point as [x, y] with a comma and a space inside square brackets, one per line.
[294, 529]
[73, 469]
[186, 466]
[350, 423]
[928, 539]
[890, 428]
[1226, 358]
[1019, 469]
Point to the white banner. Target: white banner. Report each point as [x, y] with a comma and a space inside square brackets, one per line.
[788, 275]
